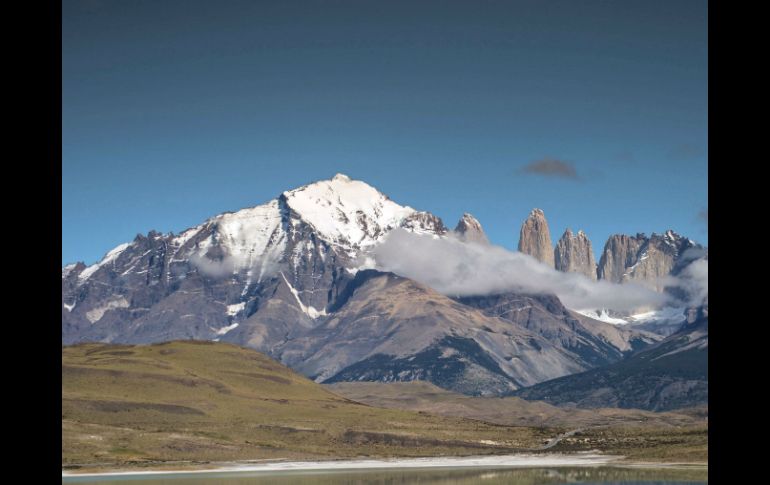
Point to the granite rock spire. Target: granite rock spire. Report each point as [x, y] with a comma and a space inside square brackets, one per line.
[469, 229]
[535, 238]
[574, 254]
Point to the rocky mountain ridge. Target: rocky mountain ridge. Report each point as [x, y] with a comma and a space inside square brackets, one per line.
[648, 261]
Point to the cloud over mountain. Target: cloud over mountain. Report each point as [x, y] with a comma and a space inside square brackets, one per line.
[454, 267]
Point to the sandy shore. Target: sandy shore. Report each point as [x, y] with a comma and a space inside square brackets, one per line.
[579, 459]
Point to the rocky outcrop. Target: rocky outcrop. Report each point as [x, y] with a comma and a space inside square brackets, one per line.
[535, 238]
[469, 229]
[620, 252]
[424, 223]
[643, 259]
[574, 254]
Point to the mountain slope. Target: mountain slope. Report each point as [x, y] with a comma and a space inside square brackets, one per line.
[391, 328]
[208, 401]
[596, 343]
[668, 375]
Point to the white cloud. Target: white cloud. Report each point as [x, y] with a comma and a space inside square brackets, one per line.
[214, 268]
[694, 280]
[454, 267]
[261, 267]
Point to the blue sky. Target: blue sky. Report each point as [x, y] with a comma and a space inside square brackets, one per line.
[175, 111]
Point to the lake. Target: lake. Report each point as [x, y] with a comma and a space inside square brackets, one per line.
[445, 476]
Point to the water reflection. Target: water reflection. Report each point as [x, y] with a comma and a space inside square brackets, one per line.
[534, 476]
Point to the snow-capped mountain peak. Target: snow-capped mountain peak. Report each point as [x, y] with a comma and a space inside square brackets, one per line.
[346, 212]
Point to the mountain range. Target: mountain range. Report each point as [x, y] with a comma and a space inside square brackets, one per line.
[295, 278]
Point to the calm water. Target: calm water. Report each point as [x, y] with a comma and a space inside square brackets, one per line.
[533, 476]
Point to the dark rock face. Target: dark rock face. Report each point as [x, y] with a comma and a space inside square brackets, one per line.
[535, 238]
[469, 229]
[668, 375]
[574, 254]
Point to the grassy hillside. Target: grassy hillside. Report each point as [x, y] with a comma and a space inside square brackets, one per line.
[680, 437]
[205, 401]
[426, 397]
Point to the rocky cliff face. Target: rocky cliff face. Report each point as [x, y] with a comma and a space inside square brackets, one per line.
[469, 229]
[574, 254]
[620, 252]
[642, 259]
[535, 238]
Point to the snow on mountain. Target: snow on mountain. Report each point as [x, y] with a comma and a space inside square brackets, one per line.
[67, 269]
[224, 330]
[233, 310]
[306, 309]
[182, 239]
[602, 316]
[252, 238]
[668, 314]
[664, 317]
[109, 257]
[345, 212]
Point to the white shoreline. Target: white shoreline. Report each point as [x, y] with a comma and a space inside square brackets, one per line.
[500, 461]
